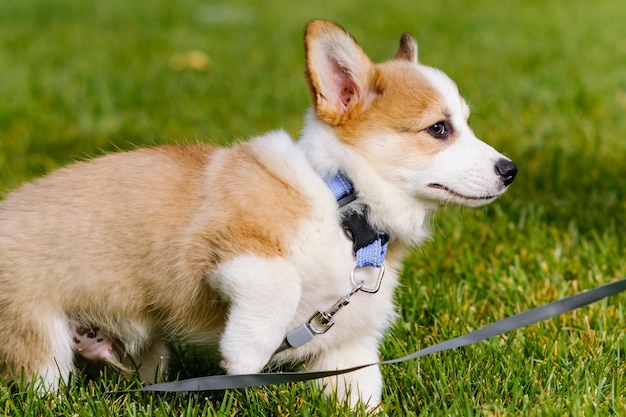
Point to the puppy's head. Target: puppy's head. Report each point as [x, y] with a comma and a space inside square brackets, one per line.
[407, 120]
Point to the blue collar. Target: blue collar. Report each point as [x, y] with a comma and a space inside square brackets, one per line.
[369, 245]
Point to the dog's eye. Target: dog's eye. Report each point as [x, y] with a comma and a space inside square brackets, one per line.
[439, 130]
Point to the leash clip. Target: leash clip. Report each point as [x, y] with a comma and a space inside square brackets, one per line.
[320, 322]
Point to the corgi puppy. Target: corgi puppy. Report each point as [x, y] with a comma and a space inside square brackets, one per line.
[235, 247]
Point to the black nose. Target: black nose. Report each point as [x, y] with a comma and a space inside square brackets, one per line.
[507, 170]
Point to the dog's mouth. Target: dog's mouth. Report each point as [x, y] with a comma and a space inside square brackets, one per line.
[459, 195]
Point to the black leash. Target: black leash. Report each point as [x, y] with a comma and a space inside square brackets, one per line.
[526, 318]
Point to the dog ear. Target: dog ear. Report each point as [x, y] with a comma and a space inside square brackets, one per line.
[338, 72]
[408, 49]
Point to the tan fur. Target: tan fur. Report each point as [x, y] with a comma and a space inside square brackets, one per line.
[185, 217]
[420, 107]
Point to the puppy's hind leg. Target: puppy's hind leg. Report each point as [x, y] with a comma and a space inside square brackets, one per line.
[264, 294]
[39, 344]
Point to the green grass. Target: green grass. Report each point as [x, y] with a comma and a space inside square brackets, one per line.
[547, 86]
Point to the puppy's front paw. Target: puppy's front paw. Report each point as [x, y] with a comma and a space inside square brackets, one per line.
[243, 363]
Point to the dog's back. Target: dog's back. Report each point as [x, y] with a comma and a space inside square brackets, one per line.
[103, 219]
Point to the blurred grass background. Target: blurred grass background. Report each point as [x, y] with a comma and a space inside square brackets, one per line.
[547, 85]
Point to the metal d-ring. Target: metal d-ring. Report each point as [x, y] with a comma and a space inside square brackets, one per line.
[375, 288]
